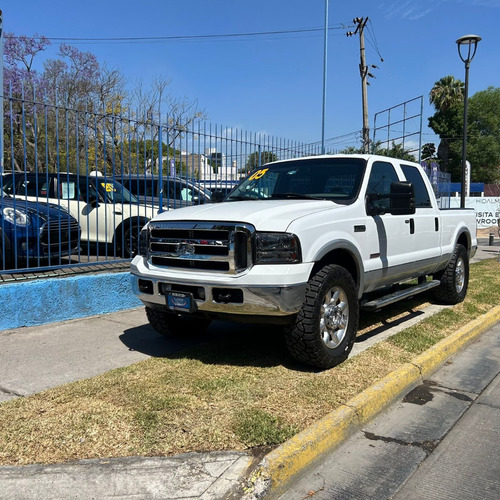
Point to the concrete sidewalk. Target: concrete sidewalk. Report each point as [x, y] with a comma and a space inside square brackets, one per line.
[36, 358]
[439, 441]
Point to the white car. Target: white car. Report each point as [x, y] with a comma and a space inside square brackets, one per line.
[106, 211]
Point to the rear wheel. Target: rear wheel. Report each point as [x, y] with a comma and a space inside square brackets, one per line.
[454, 279]
[323, 332]
[175, 325]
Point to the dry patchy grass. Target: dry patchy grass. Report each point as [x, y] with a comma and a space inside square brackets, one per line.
[232, 393]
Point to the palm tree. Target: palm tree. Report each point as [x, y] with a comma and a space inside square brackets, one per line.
[446, 93]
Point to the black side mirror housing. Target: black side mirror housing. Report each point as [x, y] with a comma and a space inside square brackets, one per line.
[402, 198]
[217, 196]
[93, 201]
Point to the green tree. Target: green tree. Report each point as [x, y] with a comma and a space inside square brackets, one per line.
[351, 150]
[446, 96]
[428, 151]
[483, 141]
[446, 93]
[395, 151]
[258, 158]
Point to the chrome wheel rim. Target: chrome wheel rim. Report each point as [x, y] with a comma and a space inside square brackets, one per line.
[459, 275]
[334, 318]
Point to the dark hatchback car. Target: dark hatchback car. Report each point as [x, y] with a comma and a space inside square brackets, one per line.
[31, 231]
[177, 192]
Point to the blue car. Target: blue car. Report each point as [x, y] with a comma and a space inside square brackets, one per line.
[31, 230]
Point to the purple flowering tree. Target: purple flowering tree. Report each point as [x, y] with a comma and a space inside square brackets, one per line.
[73, 114]
[20, 82]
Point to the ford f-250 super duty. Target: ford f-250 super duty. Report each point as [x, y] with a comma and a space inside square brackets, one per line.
[307, 243]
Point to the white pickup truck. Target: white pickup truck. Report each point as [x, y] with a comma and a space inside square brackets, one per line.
[305, 243]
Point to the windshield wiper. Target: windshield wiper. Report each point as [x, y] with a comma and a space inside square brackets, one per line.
[295, 196]
[245, 198]
[238, 198]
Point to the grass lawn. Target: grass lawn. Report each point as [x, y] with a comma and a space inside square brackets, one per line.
[233, 393]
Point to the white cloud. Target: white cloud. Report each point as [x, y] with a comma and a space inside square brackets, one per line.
[408, 10]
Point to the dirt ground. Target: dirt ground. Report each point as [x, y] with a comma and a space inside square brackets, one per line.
[485, 232]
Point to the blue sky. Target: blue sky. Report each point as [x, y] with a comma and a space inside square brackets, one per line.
[273, 83]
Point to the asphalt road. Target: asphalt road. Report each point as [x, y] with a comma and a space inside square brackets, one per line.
[440, 441]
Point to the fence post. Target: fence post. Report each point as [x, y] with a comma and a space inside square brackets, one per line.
[1, 92]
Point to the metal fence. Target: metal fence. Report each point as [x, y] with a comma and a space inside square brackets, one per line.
[81, 180]
[400, 125]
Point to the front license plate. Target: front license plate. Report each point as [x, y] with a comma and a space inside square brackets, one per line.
[180, 301]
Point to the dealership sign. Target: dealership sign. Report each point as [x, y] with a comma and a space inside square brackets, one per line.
[487, 209]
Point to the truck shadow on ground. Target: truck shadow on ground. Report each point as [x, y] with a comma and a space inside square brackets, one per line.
[238, 344]
[222, 343]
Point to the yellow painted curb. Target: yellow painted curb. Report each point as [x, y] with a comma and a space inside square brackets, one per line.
[277, 467]
[375, 398]
[435, 356]
[296, 453]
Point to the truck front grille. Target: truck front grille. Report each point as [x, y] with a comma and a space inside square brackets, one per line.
[201, 246]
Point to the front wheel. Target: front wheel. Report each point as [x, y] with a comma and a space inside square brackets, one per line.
[324, 330]
[175, 325]
[454, 279]
[128, 241]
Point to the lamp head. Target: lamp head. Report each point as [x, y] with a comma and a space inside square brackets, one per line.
[469, 41]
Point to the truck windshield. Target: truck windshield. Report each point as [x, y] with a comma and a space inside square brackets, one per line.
[334, 179]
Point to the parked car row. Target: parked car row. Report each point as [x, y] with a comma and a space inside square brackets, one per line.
[48, 214]
[105, 210]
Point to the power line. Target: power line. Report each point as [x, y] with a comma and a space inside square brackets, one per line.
[183, 37]
[373, 41]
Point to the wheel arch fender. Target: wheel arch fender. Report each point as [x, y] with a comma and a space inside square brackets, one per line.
[139, 220]
[464, 238]
[343, 253]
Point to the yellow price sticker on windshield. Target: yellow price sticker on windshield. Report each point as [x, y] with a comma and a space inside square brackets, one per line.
[109, 186]
[258, 174]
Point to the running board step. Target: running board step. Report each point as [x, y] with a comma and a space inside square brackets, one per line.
[386, 300]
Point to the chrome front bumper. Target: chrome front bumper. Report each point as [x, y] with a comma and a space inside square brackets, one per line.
[256, 300]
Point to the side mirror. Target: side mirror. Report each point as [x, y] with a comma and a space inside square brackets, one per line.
[217, 196]
[93, 201]
[402, 198]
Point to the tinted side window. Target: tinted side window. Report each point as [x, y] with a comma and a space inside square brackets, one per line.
[141, 186]
[8, 185]
[422, 198]
[382, 176]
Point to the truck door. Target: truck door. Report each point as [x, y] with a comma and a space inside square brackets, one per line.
[388, 249]
[426, 241]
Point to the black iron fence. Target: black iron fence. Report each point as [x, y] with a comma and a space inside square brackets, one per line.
[80, 181]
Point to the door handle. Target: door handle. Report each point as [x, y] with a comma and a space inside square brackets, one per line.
[412, 225]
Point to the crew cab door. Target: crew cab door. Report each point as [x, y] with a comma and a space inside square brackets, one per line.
[425, 222]
[388, 250]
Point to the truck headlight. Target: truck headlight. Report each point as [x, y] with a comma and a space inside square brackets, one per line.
[16, 216]
[144, 241]
[277, 248]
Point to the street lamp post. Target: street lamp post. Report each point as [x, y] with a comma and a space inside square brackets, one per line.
[469, 43]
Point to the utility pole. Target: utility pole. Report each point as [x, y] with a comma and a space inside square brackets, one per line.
[360, 23]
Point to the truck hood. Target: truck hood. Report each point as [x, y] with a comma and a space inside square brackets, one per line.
[264, 215]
